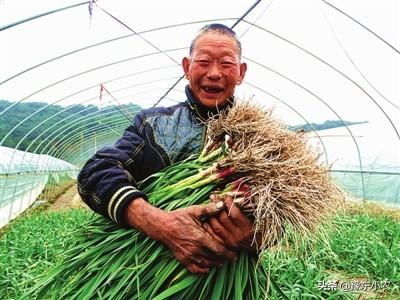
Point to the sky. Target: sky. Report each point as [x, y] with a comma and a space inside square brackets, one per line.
[305, 59]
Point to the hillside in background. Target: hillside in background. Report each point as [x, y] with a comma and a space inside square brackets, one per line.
[326, 125]
[54, 123]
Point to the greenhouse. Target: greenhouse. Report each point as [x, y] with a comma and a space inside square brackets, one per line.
[74, 74]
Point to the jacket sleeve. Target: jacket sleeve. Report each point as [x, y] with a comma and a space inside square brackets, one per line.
[106, 183]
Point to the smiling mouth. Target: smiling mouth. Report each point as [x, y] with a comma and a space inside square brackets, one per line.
[212, 89]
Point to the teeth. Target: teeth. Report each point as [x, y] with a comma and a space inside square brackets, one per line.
[212, 90]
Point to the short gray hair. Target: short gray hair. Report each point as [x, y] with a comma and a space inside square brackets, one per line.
[217, 28]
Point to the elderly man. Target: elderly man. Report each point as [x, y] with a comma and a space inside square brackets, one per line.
[161, 136]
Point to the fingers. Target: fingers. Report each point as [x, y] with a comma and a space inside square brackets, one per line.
[201, 263]
[210, 231]
[224, 233]
[207, 262]
[214, 198]
[217, 248]
[234, 212]
[232, 226]
[205, 258]
[203, 212]
[192, 242]
[207, 210]
[223, 222]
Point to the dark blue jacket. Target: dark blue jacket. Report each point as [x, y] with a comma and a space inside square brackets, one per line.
[157, 137]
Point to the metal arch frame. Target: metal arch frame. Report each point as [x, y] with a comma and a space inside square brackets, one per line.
[70, 146]
[238, 20]
[85, 101]
[47, 170]
[68, 78]
[362, 25]
[44, 150]
[85, 72]
[79, 124]
[41, 123]
[85, 120]
[315, 96]
[152, 90]
[49, 128]
[97, 68]
[256, 26]
[124, 88]
[41, 15]
[354, 64]
[66, 125]
[70, 135]
[110, 41]
[30, 19]
[66, 152]
[331, 67]
[61, 129]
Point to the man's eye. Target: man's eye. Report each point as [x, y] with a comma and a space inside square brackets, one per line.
[227, 64]
[203, 62]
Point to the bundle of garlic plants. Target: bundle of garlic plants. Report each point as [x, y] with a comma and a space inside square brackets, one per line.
[272, 174]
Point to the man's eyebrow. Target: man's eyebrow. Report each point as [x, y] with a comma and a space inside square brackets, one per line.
[209, 52]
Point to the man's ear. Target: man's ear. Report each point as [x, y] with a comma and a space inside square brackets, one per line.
[185, 66]
[242, 72]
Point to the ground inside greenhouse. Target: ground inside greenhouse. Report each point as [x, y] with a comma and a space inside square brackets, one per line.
[69, 199]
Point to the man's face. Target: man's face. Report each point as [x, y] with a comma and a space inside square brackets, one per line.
[214, 68]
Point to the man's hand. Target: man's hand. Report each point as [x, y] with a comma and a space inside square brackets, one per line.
[232, 227]
[182, 232]
[191, 244]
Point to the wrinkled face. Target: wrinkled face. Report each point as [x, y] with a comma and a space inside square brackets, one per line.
[214, 68]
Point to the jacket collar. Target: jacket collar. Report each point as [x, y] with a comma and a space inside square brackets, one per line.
[204, 112]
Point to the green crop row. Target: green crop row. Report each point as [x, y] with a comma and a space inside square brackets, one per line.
[32, 244]
[360, 259]
[361, 253]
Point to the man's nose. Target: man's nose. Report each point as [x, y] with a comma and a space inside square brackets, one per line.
[214, 71]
